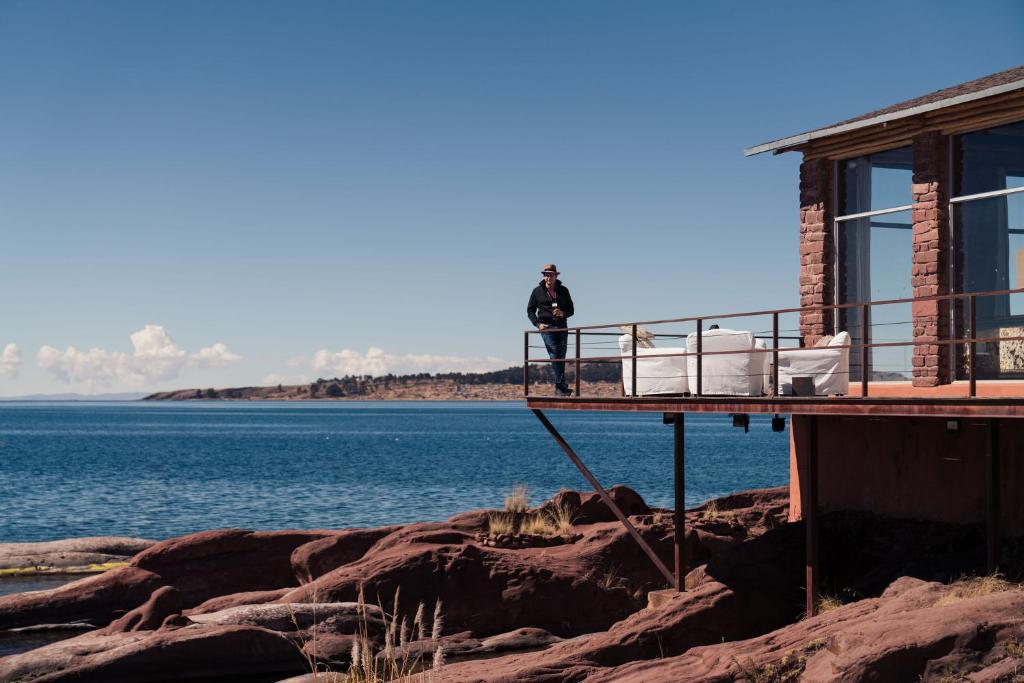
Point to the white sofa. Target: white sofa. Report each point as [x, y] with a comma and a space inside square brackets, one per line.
[733, 374]
[828, 365]
[664, 375]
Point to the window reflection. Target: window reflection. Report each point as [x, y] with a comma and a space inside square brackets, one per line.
[990, 236]
[875, 265]
[879, 181]
[989, 160]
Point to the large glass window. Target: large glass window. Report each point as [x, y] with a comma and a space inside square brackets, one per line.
[991, 258]
[989, 245]
[874, 236]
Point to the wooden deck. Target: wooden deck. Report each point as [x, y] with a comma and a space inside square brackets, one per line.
[995, 400]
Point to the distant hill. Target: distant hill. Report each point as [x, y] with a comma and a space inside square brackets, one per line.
[123, 396]
[599, 379]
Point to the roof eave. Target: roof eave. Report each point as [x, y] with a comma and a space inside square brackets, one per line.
[787, 144]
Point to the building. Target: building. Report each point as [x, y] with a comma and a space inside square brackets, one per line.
[912, 242]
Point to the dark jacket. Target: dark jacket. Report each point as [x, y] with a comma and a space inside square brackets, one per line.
[539, 309]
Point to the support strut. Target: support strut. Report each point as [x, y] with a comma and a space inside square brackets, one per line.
[605, 497]
[810, 502]
[679, 458]
[993, 535]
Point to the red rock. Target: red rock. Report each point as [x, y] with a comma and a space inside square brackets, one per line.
[163, 603]
[96, 599]
[235, 599]
[702, 616]
[213, 563]
[593, 509]
[316, 558]
[902, 636]
[560, 589]
[207, 653]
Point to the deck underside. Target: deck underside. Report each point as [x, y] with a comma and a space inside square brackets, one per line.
[979, 407]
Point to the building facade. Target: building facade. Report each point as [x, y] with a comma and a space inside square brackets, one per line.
[921, 199]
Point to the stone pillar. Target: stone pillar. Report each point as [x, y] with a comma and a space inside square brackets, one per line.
[930, 270]
[816, 247]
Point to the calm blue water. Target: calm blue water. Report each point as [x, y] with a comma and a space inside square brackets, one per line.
[163, 469]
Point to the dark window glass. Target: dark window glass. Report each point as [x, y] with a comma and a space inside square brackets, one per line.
[875, 260]
[990, 257]
[878, 181]
[989, 160]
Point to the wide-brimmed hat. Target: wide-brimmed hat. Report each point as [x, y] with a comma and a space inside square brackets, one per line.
[549, 268]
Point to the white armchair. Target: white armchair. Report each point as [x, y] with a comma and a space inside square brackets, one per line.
[733, 374]
[663, 375]
[828, 365]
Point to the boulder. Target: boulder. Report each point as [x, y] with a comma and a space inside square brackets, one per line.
[214, 563]
[163, 603]
[702, 616]
[316, 558]
[236, 599]
[592, 507]
[910, 633]
[70, 554]
[94, 599]
[190, 653]
[566, 590]
[336, 617]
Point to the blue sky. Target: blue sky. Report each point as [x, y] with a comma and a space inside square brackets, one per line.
[284, 179]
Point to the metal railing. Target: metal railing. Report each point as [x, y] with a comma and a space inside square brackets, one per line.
[952, 320]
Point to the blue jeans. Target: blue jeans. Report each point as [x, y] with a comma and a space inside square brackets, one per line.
[556, 343]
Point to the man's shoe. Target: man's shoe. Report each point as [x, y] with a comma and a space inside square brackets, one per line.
[563, 391]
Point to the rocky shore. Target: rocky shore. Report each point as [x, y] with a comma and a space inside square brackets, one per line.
[465, 600]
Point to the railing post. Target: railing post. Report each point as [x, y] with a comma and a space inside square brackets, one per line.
[633, 393]
[972, 346]
[700, 357]
[775, 354]
[526, 363]
[577, 363]
[865, 339]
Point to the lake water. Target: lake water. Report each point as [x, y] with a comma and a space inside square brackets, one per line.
[158, 470]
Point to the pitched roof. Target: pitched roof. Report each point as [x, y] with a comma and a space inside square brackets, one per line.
[994, 84]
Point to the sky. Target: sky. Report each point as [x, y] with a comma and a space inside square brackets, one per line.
[245, 192]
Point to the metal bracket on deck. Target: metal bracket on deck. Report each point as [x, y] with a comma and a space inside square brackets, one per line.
[608, 501]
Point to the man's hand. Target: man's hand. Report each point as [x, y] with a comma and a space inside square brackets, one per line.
[558, 313]
[542, 326]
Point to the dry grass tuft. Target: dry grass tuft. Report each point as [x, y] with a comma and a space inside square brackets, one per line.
[663, 518]
[537, 525]
[562, 518]
[518, 501]
[501, 523]
[789, 669]
[710, 511]
[610, 579]
[974, 587]
[827, 603]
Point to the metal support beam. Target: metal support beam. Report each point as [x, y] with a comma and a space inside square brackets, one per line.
[679, 453]
[993, 534]
[605, 497]
[810, 505]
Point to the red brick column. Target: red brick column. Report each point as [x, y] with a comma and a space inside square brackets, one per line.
[930, 272]
[816, 247]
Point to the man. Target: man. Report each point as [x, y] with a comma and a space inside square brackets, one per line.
[549, 307]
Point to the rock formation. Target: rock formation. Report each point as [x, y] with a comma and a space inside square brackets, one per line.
[267, 604]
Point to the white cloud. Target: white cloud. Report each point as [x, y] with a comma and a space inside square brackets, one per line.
[155, 357]
[216, 356]
[377, 362]
[10, 361]
[275, 378]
